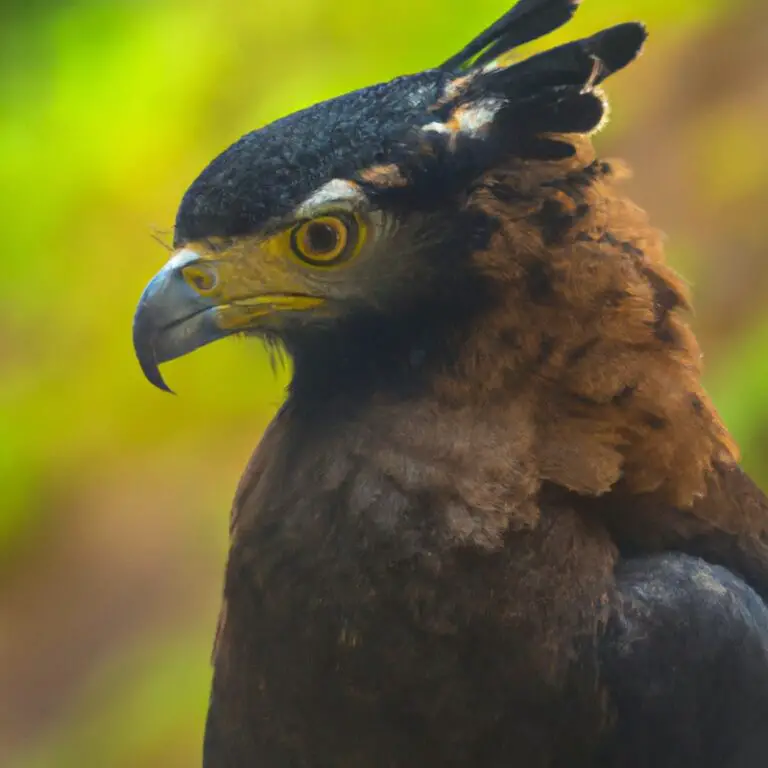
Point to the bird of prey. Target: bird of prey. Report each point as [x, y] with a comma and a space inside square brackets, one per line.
[497, 521]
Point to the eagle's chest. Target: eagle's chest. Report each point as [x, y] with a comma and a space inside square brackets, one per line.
[407, 599]
[379, 638]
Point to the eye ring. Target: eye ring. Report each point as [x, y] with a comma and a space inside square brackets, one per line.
[326, 240]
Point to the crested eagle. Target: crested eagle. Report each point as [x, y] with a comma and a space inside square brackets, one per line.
[497, 522]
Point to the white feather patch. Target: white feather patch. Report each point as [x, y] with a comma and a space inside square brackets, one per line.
[335, 192]
[468, 119]
[474, 119]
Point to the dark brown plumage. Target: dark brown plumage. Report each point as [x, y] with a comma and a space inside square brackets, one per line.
[497, 521]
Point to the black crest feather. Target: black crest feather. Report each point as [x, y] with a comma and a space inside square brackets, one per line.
[581, 62]
[526, 21]
[553, 92]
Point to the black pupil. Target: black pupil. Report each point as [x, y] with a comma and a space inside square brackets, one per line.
[322, 238]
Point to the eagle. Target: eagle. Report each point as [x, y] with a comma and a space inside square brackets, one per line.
[497, 521]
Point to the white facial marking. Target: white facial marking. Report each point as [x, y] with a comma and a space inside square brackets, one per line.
[335, 191]
[181, 259]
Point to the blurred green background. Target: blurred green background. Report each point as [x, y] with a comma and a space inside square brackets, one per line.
[114, 497]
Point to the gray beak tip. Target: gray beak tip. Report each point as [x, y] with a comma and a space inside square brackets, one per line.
[145, 354]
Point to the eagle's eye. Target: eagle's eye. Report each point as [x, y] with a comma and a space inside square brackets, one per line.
[327, 240]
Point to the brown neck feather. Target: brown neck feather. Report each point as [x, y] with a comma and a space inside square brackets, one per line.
[591, 332]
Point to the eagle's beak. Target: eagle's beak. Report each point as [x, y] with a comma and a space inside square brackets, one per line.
[173, 318]
[199, 297]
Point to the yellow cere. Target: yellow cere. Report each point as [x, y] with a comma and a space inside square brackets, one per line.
[202, 277]
[252, 277]
[243, 314]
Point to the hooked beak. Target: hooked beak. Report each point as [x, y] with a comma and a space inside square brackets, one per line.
[191, 303]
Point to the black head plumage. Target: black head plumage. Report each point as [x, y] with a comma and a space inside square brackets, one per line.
[440, 127]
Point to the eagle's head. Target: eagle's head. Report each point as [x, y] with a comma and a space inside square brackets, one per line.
[353, 231]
